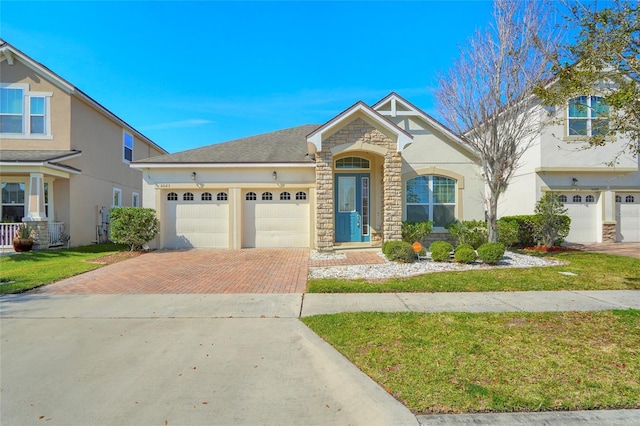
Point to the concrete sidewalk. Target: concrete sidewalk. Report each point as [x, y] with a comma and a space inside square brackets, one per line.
[221, 359]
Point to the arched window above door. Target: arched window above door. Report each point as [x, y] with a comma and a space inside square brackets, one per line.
[353, 163]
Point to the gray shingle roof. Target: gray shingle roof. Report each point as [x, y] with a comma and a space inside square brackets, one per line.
[282, 146]
[38, 156]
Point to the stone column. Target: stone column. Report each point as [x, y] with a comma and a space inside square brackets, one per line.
[324, 201]
[392, 196]
[41, 240]
[609, 224]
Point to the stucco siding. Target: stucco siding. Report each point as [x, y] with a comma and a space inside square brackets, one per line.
[59, 109]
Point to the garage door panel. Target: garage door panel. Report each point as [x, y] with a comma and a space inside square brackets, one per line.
[628, 219]
[195, 224]
[275, 224]
[583, 222]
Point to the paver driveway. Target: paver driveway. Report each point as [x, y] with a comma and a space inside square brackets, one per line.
[195, 271]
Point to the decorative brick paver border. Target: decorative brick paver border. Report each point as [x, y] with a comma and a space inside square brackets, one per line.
[195, 271]
[352, 258]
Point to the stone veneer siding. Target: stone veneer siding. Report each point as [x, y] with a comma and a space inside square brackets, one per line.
[358, 131]
[609, 232]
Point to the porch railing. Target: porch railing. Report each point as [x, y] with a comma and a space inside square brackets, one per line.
[56, 234]
[7, 232]
[56, 231]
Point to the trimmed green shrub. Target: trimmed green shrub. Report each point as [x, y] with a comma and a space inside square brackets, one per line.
[133, 226]
[416, 231]
[551, 222]
[472, 232]
[399, 251]
[507, 232]
[526, 225]
[491, 253]
[465, 253]
[440, 251]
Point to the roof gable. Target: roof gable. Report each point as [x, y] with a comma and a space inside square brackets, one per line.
[394, 105]
[361, 110]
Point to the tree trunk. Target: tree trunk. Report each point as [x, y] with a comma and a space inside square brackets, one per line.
[492, 218]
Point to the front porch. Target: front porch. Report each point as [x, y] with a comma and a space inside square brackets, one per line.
[49, 234]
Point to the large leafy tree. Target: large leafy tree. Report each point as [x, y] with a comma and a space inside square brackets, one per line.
[604, 59]
[486, 95]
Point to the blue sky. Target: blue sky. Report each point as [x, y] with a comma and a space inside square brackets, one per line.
[189, 74]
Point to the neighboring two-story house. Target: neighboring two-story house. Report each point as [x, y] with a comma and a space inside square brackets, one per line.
[602, 199]
[64, 158]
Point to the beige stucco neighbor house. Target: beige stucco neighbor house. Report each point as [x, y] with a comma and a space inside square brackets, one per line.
[64, 158]
[603, 200]
[350, 181]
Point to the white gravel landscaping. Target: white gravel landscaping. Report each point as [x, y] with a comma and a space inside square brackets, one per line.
[393, 269]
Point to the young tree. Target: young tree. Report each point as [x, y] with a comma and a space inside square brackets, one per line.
[551, 223]
[487, 94]
[134, 226]
[604, 57]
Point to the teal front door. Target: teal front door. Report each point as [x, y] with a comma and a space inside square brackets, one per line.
[352, 207]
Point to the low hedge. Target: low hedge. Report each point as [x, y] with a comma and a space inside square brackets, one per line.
[399, 251]
[526, 228]
[465, 253]
[440, 251]
[491, 253]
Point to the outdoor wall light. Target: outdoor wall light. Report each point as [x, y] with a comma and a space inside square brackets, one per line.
[274, 175]
[193, 176]
[574, 181]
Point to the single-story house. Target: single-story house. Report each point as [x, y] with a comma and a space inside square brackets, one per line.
[350, 181]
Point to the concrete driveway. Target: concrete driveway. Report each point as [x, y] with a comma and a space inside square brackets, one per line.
[195, 271]
[177, 360]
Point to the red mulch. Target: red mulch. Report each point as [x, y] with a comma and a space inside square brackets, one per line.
[544, 249]
[116, 257]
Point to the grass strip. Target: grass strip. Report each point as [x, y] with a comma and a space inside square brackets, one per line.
[494, 362]
[24, 271]
[593, 271]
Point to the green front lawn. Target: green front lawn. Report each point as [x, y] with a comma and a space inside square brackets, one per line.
[594, 272]
[494, 362]
[24, 271]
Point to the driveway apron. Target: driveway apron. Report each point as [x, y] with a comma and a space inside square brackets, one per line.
[195, 271]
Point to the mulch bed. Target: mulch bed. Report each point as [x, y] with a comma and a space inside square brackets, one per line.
[116, 257]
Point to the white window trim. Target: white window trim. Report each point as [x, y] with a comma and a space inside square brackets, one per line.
[133, 144]
[119, 192]
[589, 119]
[135, 195]
[26, 113]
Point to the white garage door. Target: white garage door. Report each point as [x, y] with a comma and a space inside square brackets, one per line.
[275, 219]
[582, 208]
[196, 219]
[628, 218]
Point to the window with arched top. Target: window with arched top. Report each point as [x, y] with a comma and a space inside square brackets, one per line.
[562, 198]
[431, 198]
[187, 196]
[629, 199]
[589, 199]
[222, 196]
[206, 196]
[172, 196]
[285, 196]
[251, 196]
[577, 199]
[301, 195]
[618, 199]
[353, 163]
[267, 196]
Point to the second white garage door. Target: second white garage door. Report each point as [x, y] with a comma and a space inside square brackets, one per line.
[275, 219]
[628, 218]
